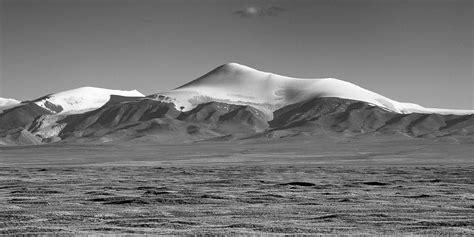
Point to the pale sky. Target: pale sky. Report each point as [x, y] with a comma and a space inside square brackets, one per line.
[417, 51]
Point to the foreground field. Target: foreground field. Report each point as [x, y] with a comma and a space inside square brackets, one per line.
[226, 188]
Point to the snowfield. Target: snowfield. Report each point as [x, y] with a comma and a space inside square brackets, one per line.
[81, 99]
[239, 84]
[6, 103]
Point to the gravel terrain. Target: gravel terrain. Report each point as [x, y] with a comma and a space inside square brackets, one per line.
[241, 188]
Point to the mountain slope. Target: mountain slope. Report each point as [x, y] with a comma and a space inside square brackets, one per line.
[125, 118]
[228, 118]
[237, 84]
[40, 117]
[20, 116]
[15, 121]
[351, 118]
[19, 136]
[151, 120]
[114, 114]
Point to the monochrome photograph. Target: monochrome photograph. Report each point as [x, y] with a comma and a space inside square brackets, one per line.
[236, 118]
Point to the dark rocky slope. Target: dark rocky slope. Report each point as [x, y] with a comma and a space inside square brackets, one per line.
[21, 116]
[146, 119]
[350, 117]
[153, 120]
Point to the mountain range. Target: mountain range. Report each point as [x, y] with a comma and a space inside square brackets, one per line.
[231, 102]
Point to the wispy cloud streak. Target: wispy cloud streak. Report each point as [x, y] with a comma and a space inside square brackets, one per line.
[258, 11]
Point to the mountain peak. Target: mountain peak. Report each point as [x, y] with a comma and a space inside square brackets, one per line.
[236, 66]
[240, 84]
[225, 73]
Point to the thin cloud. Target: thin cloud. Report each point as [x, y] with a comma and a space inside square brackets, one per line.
[146, 20]
[257, 11]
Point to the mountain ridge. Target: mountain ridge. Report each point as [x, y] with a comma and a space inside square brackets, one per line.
[231, 102]
[149, 120]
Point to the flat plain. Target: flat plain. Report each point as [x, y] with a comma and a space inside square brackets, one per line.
[301, 185]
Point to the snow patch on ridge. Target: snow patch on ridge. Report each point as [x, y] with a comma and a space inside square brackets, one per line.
[7, 103]
[81, 99]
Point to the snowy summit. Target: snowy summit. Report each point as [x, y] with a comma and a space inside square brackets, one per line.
[239, 84]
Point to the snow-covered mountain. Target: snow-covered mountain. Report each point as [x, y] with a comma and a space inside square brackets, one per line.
[229, 103]
[81, 99]
[6, 103]
[239, 84]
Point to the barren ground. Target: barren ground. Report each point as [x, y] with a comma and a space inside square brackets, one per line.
[292, 186]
